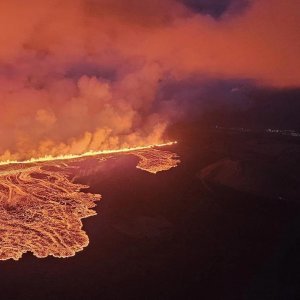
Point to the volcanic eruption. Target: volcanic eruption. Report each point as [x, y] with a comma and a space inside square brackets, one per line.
[41, 208]
[101, 78]
[94, 95]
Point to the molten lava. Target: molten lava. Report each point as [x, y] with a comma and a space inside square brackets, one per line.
[86, 154]
[41, 208]
[155, 161]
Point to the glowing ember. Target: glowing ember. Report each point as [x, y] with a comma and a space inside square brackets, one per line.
[41, 208]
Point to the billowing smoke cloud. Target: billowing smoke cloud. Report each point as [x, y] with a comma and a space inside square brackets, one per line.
[80, 75]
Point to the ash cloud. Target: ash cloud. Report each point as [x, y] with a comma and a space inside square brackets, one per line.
[90, 74]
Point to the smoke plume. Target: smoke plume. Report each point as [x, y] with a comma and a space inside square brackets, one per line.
[80, 75]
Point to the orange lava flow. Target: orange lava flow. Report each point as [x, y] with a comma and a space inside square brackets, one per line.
[155, 161]
[41, 212]
[41, 208]
[86, 154]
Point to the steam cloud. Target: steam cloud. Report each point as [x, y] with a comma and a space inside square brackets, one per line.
[80, 75]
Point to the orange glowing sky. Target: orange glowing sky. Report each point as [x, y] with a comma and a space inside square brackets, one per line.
[83, 75]
[262, 43]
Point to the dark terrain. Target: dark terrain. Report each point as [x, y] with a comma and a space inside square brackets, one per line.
[222, 225]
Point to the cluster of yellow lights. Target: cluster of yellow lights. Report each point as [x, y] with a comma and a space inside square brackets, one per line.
[86, 154]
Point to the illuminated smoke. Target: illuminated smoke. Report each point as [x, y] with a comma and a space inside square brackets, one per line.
[81, 75]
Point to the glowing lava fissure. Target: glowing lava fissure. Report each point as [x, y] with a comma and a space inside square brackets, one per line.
[86, 154]
[41, 208]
